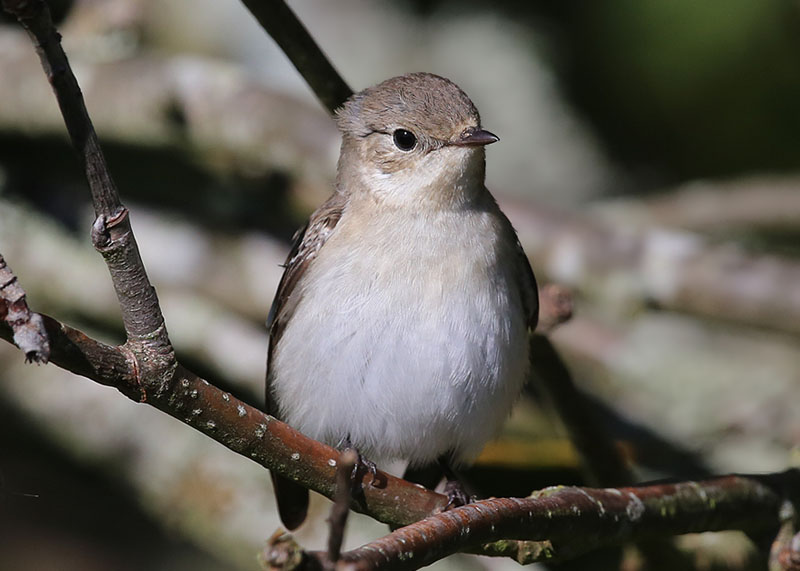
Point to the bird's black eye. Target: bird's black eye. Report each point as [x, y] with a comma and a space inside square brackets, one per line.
[404, 140]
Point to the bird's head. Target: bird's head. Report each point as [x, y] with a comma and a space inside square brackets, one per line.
[412, 138]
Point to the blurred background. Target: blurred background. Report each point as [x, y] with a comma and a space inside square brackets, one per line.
[649, 159]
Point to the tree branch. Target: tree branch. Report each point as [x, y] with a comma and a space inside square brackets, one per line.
[112, 235]
[233, 423]
[348, 460]
[676, 269]
[759, 202]
[556, 514]
[577, 520]
[289, 33]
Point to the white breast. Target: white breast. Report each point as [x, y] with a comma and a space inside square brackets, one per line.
[409, 338]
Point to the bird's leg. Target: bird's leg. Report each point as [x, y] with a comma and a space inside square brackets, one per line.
[455, 489]
[363, 465]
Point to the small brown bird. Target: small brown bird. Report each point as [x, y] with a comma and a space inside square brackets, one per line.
[400, 326]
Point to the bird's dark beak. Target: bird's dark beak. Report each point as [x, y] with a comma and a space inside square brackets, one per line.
[474, 137]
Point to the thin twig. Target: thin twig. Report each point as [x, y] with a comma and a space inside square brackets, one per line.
[112, 235]
[341, 505]
[34, 15]
[289, 33]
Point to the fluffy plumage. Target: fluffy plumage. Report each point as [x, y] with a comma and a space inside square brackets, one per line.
[401, 321]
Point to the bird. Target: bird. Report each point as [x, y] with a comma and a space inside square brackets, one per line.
[400, 324]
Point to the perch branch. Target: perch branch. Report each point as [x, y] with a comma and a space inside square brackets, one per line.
[577, 520]
[233, 423]
[556, 514]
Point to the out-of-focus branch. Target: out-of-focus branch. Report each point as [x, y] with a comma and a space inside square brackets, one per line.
[555, 307]
[753, 202]
[27, 327]
[785, 550]
[602, 461]
[201, 107]
[280, 22]
[676, 269]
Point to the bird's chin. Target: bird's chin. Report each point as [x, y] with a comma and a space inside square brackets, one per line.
[445, 178]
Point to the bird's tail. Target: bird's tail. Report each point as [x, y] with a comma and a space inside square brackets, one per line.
[292, 501]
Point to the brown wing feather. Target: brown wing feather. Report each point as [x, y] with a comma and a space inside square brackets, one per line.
[529, 289]
[307, 243]
[292, 498]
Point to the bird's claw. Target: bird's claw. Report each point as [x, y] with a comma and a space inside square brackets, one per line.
[363, 466]
[457, 495]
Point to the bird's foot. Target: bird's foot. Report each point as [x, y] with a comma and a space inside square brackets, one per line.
[457, 494]
[362, 467]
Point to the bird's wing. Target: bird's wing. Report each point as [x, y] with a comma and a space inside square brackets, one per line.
[291, 497]
[528, 288]
[306, 245]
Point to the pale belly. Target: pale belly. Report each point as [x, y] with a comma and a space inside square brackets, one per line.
[423, 354]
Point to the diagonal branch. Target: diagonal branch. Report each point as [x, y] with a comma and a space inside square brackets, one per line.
[112, 235]
[289, 33]
[233, 423]
[34, 15]
[603, 464]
